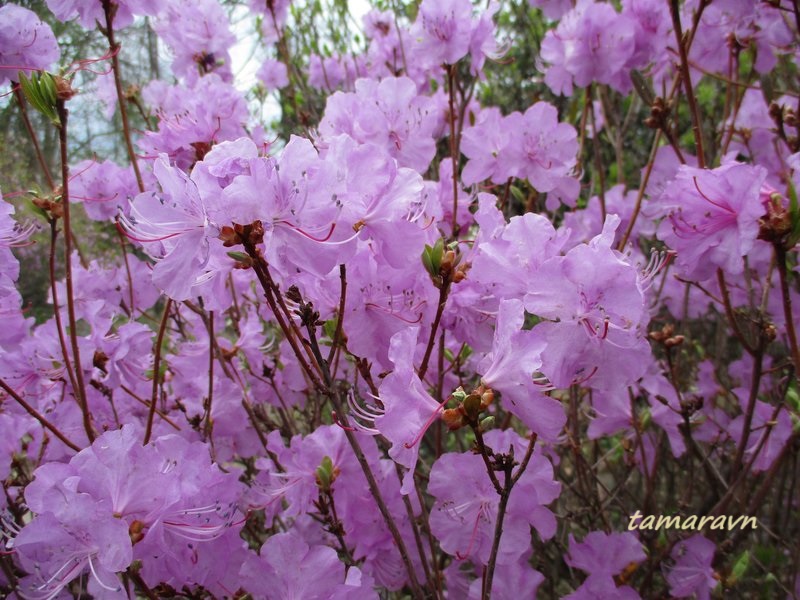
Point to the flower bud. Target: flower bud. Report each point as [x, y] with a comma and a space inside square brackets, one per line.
[472, 406]
[326, 474]
[136, 531]
[229, 237]
[487, 397]
[64, 90]
[673, 341]
[453, 418]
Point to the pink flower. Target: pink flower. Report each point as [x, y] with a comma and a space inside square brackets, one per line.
[509, 369]
[594, 308]
[712, 217]
[409, 409]
[90, 12]
[693, 573]
[605, 553]
[465, 512]
[544, 152]
[389, 114]
[444, 28]
[198, 33]
[592, 43]
[174, 227]
[26, 43]
[273, 74]
[103, 187]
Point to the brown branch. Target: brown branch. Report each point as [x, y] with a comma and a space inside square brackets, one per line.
[780, 261]
[38, 416]
[451, 82]
[63, 114]
[156, 368]
[109, 9]
[509, 482]
[333, 394]
[32, 134]
[687, 80]
[443, 291]
[339, 322]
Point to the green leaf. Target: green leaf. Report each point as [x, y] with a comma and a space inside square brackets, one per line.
[40, 92]
[325, 474]
[241, 257]
[739, 567]
[518, 194]
[432, 257]
[642, 87]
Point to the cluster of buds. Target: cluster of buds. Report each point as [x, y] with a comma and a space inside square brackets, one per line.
[691, 405]
[780, 225]
[666, 337]
[659, 114]
[443, 265]
[785, 116]
[469, 408]
[249, 235]
[50, 207]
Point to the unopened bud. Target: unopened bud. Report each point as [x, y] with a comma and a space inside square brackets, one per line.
[448, 262]
[243, 260]
[136, 531]
[472, 406]
[48, 208]
[487, 397]
[64, 90]
[229, 236]
[453, 418]
[100, 360]
[675, 340]
[326, 474]
[459, 395]
[487, 423]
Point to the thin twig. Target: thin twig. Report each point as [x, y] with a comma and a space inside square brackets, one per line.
[109, 8]
[156, 368]
[38, 416]
[32, 134]
[63, 114]
[687, 81]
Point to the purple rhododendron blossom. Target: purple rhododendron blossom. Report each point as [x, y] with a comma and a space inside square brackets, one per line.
[103, 188]
[388, 322]
[465, 512]
[591, 300]
[692, 574]
[408, 409]
[509, 368]
[90, 12]
[26, 43]
[174, 227]
[712, 217]
[592, 43]
[609, 554]
[198, 35]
